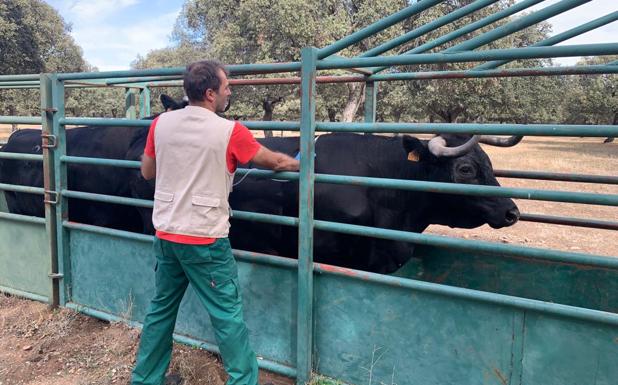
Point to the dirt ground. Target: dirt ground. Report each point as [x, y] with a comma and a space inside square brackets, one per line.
[39, 346]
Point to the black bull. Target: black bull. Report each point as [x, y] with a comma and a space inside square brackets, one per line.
[400, 157]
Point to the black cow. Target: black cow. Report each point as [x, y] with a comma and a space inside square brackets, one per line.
[94, 142]
[403, 157]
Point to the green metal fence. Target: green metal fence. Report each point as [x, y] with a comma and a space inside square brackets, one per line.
[467, 312]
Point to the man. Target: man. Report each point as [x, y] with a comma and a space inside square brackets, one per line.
[194, 153]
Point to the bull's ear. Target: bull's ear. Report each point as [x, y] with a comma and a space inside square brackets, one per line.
[168, 102]
[415, 149]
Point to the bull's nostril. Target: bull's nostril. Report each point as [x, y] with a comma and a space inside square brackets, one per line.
[512, 215]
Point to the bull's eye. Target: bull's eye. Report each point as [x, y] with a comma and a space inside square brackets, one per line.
[466, 170]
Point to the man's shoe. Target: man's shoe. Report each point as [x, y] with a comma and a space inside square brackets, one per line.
[174, 379]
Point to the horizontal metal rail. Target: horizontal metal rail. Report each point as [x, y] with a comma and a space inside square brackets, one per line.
[21, 156]
[107, 198]
[568, 221]
[19, 78]
[476, 246]
[254, 125]
[100, 161]
[418, 128]
[449, 188]
[142, 79]
[562, 177]
[441, 241]
[24, 294]
[20, 83]
[22, 218]
[20, 120]
[473, 128]
[428, 287]
[463, 74]
[499, 73]
[473, 56]
[410, 185]
[105, 122]
[22, 189]
[234, 69]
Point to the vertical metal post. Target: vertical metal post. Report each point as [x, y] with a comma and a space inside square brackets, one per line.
[129, 103]
[60, 180]
[304, 336]
[371, 93]
[49, 183]
[144, 102]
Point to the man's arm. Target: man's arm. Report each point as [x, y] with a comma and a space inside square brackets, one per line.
[149, 167]
[275, 160]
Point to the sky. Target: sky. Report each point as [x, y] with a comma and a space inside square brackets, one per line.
[113, 33]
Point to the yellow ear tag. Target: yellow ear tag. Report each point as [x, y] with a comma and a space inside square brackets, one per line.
[413, 156]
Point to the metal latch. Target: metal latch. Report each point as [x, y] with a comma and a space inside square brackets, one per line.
[50, 110]
[52, 141]
[55, 275]
[51, 197]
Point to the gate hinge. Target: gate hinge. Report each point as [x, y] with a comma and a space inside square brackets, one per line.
[51, 197]
[51, 141]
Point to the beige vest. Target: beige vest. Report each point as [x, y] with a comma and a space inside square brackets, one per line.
[193, 182]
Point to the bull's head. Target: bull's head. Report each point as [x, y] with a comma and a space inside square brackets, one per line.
[459, 159]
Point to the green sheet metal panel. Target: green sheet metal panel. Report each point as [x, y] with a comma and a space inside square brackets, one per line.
[116, 275]
[570, 284]
[3, 207]
[397, 334]
[562, 352]
[372, 333]
[24, 257]
[410, 337]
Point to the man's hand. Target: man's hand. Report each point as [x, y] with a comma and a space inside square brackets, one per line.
[276, 161]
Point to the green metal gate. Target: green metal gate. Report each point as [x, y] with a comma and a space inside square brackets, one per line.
[466, 312]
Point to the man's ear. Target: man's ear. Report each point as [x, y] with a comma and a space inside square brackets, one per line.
[209, 95]
[415, 149]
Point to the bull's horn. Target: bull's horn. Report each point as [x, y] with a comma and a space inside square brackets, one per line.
[437, 146]
[501, 142]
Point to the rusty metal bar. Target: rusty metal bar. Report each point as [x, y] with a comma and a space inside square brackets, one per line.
[562, 177]
[569, 221]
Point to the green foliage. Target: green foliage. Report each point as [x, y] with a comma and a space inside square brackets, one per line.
[592, 99]
[34, 39]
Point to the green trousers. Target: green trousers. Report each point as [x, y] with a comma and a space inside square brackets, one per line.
[211, 270]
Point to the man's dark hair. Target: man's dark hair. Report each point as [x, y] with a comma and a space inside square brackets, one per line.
[200, 76]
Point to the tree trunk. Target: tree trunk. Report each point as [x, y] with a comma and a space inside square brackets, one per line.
[268, 106]
[610, 139]
[356, 95]
[332, 115]
[14, 126]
